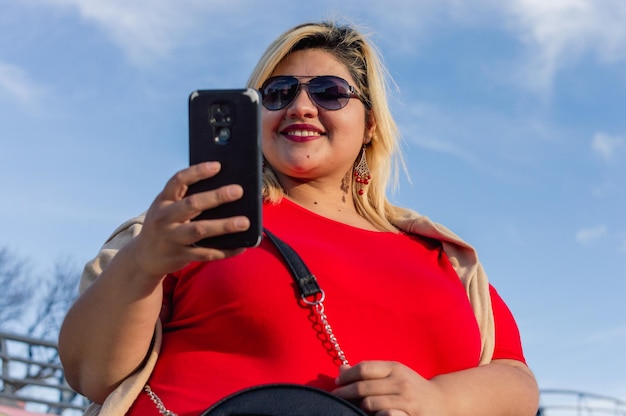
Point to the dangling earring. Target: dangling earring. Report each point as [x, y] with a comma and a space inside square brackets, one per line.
[362, 172]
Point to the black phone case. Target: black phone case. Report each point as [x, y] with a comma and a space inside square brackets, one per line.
[225, 126]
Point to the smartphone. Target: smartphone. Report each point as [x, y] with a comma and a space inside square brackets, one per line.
[225, 126]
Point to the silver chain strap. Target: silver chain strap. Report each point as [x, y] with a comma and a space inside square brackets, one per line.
[157, 402]
[317, 305]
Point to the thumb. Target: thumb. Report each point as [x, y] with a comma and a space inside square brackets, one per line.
[342, 369]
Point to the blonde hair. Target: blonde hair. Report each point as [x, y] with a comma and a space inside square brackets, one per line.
[362, 61]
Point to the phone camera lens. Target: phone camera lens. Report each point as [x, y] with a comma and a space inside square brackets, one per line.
[221, 114]
[223, 136]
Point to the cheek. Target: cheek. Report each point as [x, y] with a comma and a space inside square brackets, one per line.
[349, 124]
[270, 121]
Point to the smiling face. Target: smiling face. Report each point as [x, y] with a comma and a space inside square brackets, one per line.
[304, 142]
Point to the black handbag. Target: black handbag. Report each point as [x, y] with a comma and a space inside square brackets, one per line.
[283, 400]
[286, 399]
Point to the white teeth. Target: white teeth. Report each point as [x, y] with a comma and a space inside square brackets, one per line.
[303, 133]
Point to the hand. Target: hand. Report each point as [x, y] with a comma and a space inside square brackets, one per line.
[387, 388]
[164, 244]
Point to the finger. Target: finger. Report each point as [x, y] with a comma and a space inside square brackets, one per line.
[203, 254]
[194, 231]
[365, 388]
[192, 205]
[382, 404]
[378, 398]
[391, 412]
[364, 370]
[177, 186]
[389, 405]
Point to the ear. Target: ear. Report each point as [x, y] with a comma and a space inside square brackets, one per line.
[370, 127]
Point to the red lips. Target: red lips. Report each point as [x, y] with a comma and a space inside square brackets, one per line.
[302, 132]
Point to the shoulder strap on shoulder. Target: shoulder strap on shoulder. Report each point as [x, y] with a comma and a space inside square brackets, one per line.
[306, 281]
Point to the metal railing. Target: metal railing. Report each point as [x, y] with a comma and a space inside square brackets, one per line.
[576, 403]
[31, 377]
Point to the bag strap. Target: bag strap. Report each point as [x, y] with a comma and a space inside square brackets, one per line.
[306, 281]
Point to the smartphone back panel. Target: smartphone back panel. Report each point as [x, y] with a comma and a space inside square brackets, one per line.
[225, 126]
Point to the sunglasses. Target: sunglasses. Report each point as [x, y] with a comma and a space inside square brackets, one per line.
[326, 91]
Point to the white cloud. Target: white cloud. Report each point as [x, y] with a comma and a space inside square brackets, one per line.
[144, 29]
[606, 145]
[588, 236]
[556, 33]
[16, 85]
[560, 32]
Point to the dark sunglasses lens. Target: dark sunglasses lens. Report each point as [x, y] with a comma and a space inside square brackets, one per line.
[278, 92]
[332, 93]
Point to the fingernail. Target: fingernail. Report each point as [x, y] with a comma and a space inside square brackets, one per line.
[235, 191]
[242, 223]
[213, 165]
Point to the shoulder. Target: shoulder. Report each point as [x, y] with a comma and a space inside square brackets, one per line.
[118, 239]
[465, 262]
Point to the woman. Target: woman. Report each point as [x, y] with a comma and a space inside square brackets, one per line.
[419, 331]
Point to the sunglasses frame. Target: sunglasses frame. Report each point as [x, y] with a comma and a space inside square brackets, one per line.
[351, 91]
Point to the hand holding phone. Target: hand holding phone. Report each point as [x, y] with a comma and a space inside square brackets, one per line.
[225, 126]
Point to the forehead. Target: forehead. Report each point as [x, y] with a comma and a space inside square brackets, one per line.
[311, 63]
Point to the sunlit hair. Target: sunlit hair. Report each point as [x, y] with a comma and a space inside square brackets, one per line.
[361, 59]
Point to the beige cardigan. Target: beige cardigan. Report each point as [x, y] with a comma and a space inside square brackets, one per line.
[462, 257]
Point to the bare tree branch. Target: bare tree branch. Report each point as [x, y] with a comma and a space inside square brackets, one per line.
[56, 297]
[34, 306]
[16, 286]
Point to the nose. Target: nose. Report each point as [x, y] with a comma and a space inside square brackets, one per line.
[302, 104]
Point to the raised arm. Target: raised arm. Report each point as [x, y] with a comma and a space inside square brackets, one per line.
[108, 331]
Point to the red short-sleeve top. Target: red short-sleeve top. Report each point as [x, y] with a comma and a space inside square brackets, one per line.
[238, 322]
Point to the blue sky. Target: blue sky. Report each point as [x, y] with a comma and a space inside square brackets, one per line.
[513, 115]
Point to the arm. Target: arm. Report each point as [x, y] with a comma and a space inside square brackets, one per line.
[501, 388]
[107, 332]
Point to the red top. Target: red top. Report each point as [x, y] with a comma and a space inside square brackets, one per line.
[238, 322]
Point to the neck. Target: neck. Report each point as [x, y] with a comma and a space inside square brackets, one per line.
[331, 201]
